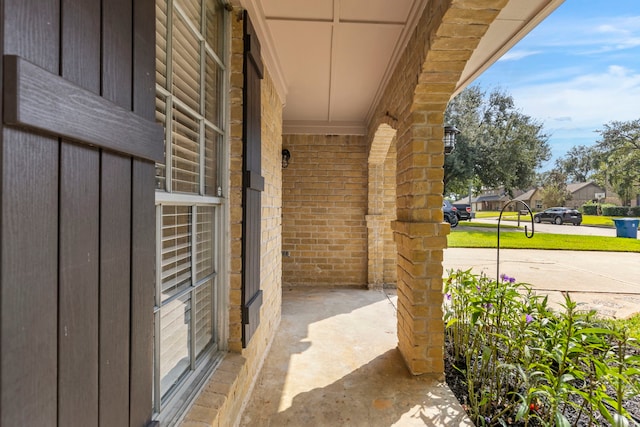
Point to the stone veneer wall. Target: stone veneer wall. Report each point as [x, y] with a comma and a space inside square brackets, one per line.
[221, 401]
[324, 205]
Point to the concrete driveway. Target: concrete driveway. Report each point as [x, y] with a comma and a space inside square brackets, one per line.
[606, 281]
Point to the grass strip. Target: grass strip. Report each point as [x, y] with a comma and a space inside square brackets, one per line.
[633, 323]
[517, 240]
[487, 225]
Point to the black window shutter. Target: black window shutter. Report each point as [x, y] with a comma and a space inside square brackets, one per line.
[253, 184]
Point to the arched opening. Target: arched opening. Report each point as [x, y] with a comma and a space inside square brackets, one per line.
[381, 209]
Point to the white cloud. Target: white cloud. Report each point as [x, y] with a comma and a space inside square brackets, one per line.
[516, 54]
[589, 100]
[587, 36]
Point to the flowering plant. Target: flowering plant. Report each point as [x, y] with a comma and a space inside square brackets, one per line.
[526, 364]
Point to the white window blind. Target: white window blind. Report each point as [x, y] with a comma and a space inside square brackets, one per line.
[190, 81]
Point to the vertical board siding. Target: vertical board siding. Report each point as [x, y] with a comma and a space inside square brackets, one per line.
[79, 229]
[115, 275]
[78, 288]
[29, 280]
[117, 51]
[29, 240]
[142, 292]
[253, 184]
[115, 224]
[143, 221]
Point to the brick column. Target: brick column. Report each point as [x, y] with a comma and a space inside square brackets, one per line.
[447, 35]
[421, 236]
[376, 229]
[379, 209]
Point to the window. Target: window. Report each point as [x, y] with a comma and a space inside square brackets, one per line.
[538, 204]
[190, 82]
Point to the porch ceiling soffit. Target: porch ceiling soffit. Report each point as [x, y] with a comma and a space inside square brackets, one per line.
[515, 21]
[331, 59]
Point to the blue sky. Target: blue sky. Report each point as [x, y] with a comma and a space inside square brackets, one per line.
[576, 71]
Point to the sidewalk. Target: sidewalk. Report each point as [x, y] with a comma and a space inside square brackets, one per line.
[606, 281]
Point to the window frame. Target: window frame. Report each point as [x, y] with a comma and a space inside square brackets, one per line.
[171, 408]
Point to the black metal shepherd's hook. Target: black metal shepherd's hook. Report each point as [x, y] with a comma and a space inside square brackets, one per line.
[525, 232]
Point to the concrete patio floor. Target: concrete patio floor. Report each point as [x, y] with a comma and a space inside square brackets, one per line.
[334, 362]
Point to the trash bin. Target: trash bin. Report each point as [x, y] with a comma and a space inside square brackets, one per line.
[627, 227]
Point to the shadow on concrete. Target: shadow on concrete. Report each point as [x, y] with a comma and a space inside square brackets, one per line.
[334, 362]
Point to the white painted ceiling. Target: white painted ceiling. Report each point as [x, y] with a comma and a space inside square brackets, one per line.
[331, 59]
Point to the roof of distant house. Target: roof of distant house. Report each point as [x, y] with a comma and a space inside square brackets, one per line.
[527, 195]
[492, 198]
[575, 186]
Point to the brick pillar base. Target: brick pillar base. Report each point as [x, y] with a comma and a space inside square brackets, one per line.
[376, 227]
[420, 318]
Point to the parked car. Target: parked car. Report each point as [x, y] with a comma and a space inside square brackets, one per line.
[559, 216]
[450, 214]
[463, 211]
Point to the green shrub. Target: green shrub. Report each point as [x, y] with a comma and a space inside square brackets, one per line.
[523, 362]
[590, 209]
[635, 211]
[615, 210]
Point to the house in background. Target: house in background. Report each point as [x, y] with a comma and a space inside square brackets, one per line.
[493, 199]
[490, 202]
[584, 192]
[533, 198]
[581, 193]
[147, 223]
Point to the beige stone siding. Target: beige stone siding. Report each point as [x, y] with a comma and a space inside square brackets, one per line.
[324, 205]
[223, 397]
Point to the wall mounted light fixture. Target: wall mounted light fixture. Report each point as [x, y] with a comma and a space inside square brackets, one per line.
[449, 139]
[286, 156]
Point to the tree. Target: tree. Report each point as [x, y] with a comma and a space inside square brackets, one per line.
[579, 164]
[459, 167]
[498, 145]
[554, 192]
[618, 154]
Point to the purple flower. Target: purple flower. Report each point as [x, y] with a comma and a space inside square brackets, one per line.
[448, 296]
[528, 318]
[478, 288]
[506, 278]
[488, 305]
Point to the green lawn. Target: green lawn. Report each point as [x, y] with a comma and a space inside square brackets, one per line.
[633, 323]
[517, 240]
[488, 225]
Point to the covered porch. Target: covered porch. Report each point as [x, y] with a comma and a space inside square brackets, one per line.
[334, 361]
[364, 89]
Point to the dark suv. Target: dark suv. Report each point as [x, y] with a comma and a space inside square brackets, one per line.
[463, 211]
[559, 216]
[450, 213]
